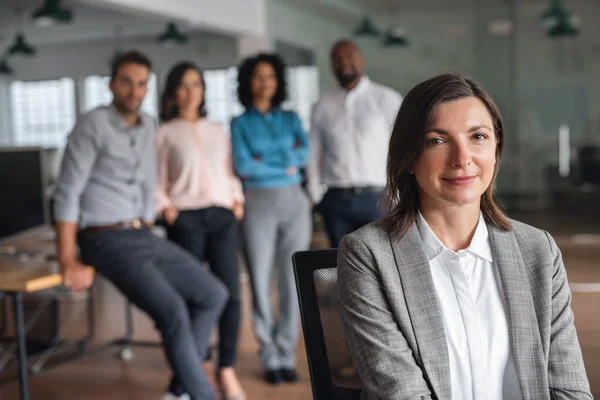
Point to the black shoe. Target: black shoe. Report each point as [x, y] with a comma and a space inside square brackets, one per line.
[289, 375]
[273, 376]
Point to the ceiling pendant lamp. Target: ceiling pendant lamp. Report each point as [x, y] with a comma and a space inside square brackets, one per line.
[172, 36]
[395, 36]
[51, 12]
[20, 46]
[366, 28]
[6, 69]
[563, 28]
[558, 21]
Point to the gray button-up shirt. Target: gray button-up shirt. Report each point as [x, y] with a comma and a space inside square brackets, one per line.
[108, 171]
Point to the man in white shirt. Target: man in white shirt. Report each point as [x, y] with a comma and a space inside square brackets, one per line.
[349, 136]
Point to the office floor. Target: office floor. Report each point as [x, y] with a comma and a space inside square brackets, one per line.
[104, 376]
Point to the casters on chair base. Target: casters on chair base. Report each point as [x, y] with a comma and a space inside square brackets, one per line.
[126, 354]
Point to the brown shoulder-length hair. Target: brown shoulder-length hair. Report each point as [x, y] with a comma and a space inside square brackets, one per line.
[407, 143]
[168, 105]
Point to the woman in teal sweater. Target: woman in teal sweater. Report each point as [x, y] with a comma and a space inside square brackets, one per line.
[270, 148]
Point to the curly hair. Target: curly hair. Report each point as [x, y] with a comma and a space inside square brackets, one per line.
[246, 70]
[168, 107]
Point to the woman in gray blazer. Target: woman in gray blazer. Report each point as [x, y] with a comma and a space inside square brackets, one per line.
[445, 297]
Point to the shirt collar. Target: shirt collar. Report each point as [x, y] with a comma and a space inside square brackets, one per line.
[118, 120]
[363, 84]
[433, 247]
[272, 112]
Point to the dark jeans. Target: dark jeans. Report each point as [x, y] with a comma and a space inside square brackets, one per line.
[182, 298]
[211, 234]
[344, 212]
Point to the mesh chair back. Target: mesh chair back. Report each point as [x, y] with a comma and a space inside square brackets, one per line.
[332, 371]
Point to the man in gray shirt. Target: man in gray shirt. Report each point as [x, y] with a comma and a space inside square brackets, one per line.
[104, 202]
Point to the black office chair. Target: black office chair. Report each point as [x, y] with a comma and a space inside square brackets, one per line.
[333, 374]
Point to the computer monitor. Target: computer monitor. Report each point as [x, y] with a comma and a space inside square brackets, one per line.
[23, 183]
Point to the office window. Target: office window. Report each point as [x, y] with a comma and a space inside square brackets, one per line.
[96, 93]
[221, 95]
[43, 112]
[303, 92]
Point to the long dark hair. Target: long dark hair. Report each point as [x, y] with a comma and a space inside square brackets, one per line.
[407, 143]
[168, 104]
[246, 70]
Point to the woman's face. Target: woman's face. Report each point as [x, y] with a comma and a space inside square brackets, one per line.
[264, 82]
[190, 92]
[459, 156]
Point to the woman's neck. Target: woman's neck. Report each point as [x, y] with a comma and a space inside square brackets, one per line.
[189, 115]
[262, 105]
[454, 226]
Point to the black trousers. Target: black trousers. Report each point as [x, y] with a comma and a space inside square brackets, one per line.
[211, 234]
[344, 212]
[184, 299]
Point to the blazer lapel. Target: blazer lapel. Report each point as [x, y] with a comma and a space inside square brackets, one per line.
[523, 329]
[423, 308]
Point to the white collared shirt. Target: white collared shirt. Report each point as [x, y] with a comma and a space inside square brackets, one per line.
[349, 137]
[472, 305]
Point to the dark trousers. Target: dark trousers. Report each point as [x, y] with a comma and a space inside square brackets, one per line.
[344, 211]
[211, 234]
[159, 277]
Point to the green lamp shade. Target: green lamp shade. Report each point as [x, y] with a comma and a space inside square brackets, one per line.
[51, 12]
[5, 69]
[559, 21]
[391, 41]
[172, 35]
[20, 46]
[395, 37]
[564, 28]
[553, 13]
[366, 28]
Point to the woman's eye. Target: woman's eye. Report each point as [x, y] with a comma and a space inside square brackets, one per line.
[479, 136]
[434, 141]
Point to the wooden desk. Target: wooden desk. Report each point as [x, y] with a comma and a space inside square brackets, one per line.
[24, 264]
[25, 267]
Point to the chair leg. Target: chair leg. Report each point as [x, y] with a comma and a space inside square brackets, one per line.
[126, 354]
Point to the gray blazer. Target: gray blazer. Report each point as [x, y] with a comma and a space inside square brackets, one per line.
[394, 328]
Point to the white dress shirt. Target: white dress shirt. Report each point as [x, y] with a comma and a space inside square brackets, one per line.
[472, 305]
[349, 137]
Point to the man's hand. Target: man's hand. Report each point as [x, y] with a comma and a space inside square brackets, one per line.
[292, 171]
[238, 210]
[77, 276]
[170, 214]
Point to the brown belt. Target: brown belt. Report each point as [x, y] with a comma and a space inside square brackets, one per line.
[133, 224]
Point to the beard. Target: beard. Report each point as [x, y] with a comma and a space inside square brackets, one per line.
[124, 108]
[347, 78]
